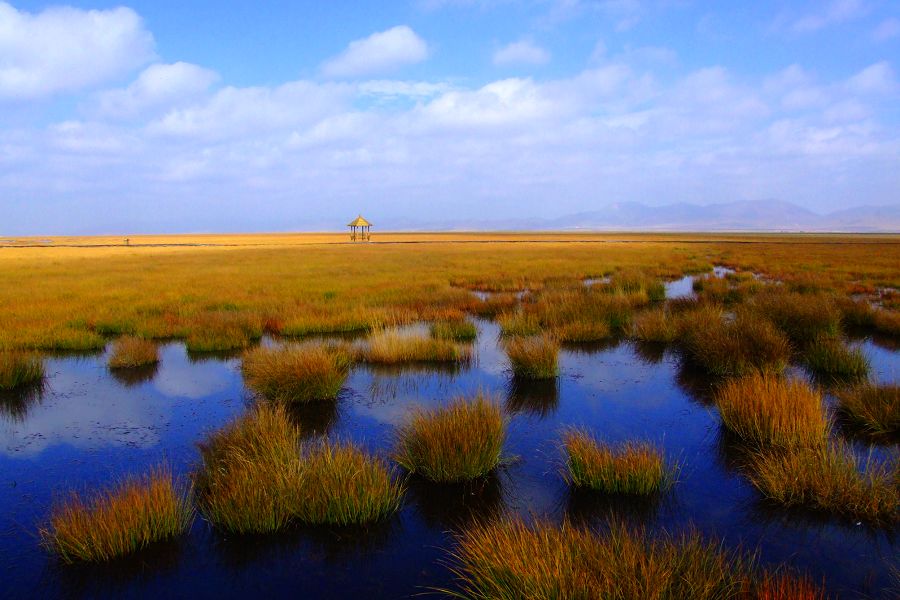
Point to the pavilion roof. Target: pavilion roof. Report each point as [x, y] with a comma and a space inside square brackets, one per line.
[359, 222]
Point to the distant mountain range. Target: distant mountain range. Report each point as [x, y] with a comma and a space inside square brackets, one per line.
[732, 216]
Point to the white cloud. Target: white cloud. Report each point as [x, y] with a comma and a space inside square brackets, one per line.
[390, 88]
[874, 79]
[831, 13]
[65, 49]
[235, 112]
[158, 87]
[523, 52]
[380, 52]
[887, 30]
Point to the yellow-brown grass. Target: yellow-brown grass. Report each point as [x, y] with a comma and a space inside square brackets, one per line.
[631, 468]
[19, 369]
[732, 347]
[296, 373]
[508, 559]
[786, 586]
[876, 408]
[828, 478]
[654, 326]
[129, 352]
[120, 521]
[767, 410]
[460, 441]
[394, 347]
[533, 357]
[256, 478]
[802, 317]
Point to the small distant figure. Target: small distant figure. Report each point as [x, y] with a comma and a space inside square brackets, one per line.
[360, 229]
[127, 242]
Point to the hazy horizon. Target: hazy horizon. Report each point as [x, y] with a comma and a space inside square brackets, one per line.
[188, 117]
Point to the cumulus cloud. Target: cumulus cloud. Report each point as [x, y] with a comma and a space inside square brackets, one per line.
[523, 52]
[380, 52]
[158, 87]
[62, 49]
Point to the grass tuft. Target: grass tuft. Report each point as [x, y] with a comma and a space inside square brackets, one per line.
[129, 352]
[394, 347]
[508, 559]
[828, 478]
[255, 478]
[296, 373]
[802, 317]
[632, 468]
[830, 356]
[534, 357]
[732, 347]
[123, 520]
[654, 326]
[766, 410]
[458, 330]
[460, 441]
[18, 368]
[874, 407]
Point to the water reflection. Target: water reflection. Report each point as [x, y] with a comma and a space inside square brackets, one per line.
[135, 376]
[450, 506]
[314, 418]
[527, 396]
[15, 404]
[651, 353]
[590, 508]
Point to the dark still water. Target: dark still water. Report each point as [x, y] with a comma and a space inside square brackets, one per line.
[89, 428]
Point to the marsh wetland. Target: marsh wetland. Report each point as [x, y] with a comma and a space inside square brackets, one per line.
[641, 414]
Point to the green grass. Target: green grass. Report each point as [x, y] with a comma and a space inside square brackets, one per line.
[123, 520]
[458, 442]
[19, 369]
[130, 352]
[631, 468]
[296, 373]
[534, 357]
[875, 408]
[766, 410]
[508, 559]
[830, 356]
[828, 478]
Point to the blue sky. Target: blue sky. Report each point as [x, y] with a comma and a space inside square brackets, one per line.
[204, 116]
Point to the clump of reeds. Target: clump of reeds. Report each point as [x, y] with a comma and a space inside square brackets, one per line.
[535, 357]
[459, 330]
[632, 468]
[125, 519]
[732, 347]
[583, 331]
[222, 330]
[767, 410]
[296, 373]
[802, 317]
[654, 326]
[876, 408]
[494, 305]
[394, 347]
[508, 558]
[519, 323]
[830, 356]
[856, 313]
[460, 441]
[251, 478]
[256, 478]
[786, 586]
[19, 369]
[129, 352]
[828, 478]
[342, 485]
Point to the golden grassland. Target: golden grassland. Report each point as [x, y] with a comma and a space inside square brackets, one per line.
[224, 296]
[631, 468]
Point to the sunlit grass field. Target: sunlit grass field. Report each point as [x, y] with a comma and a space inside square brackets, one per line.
[237, 287]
